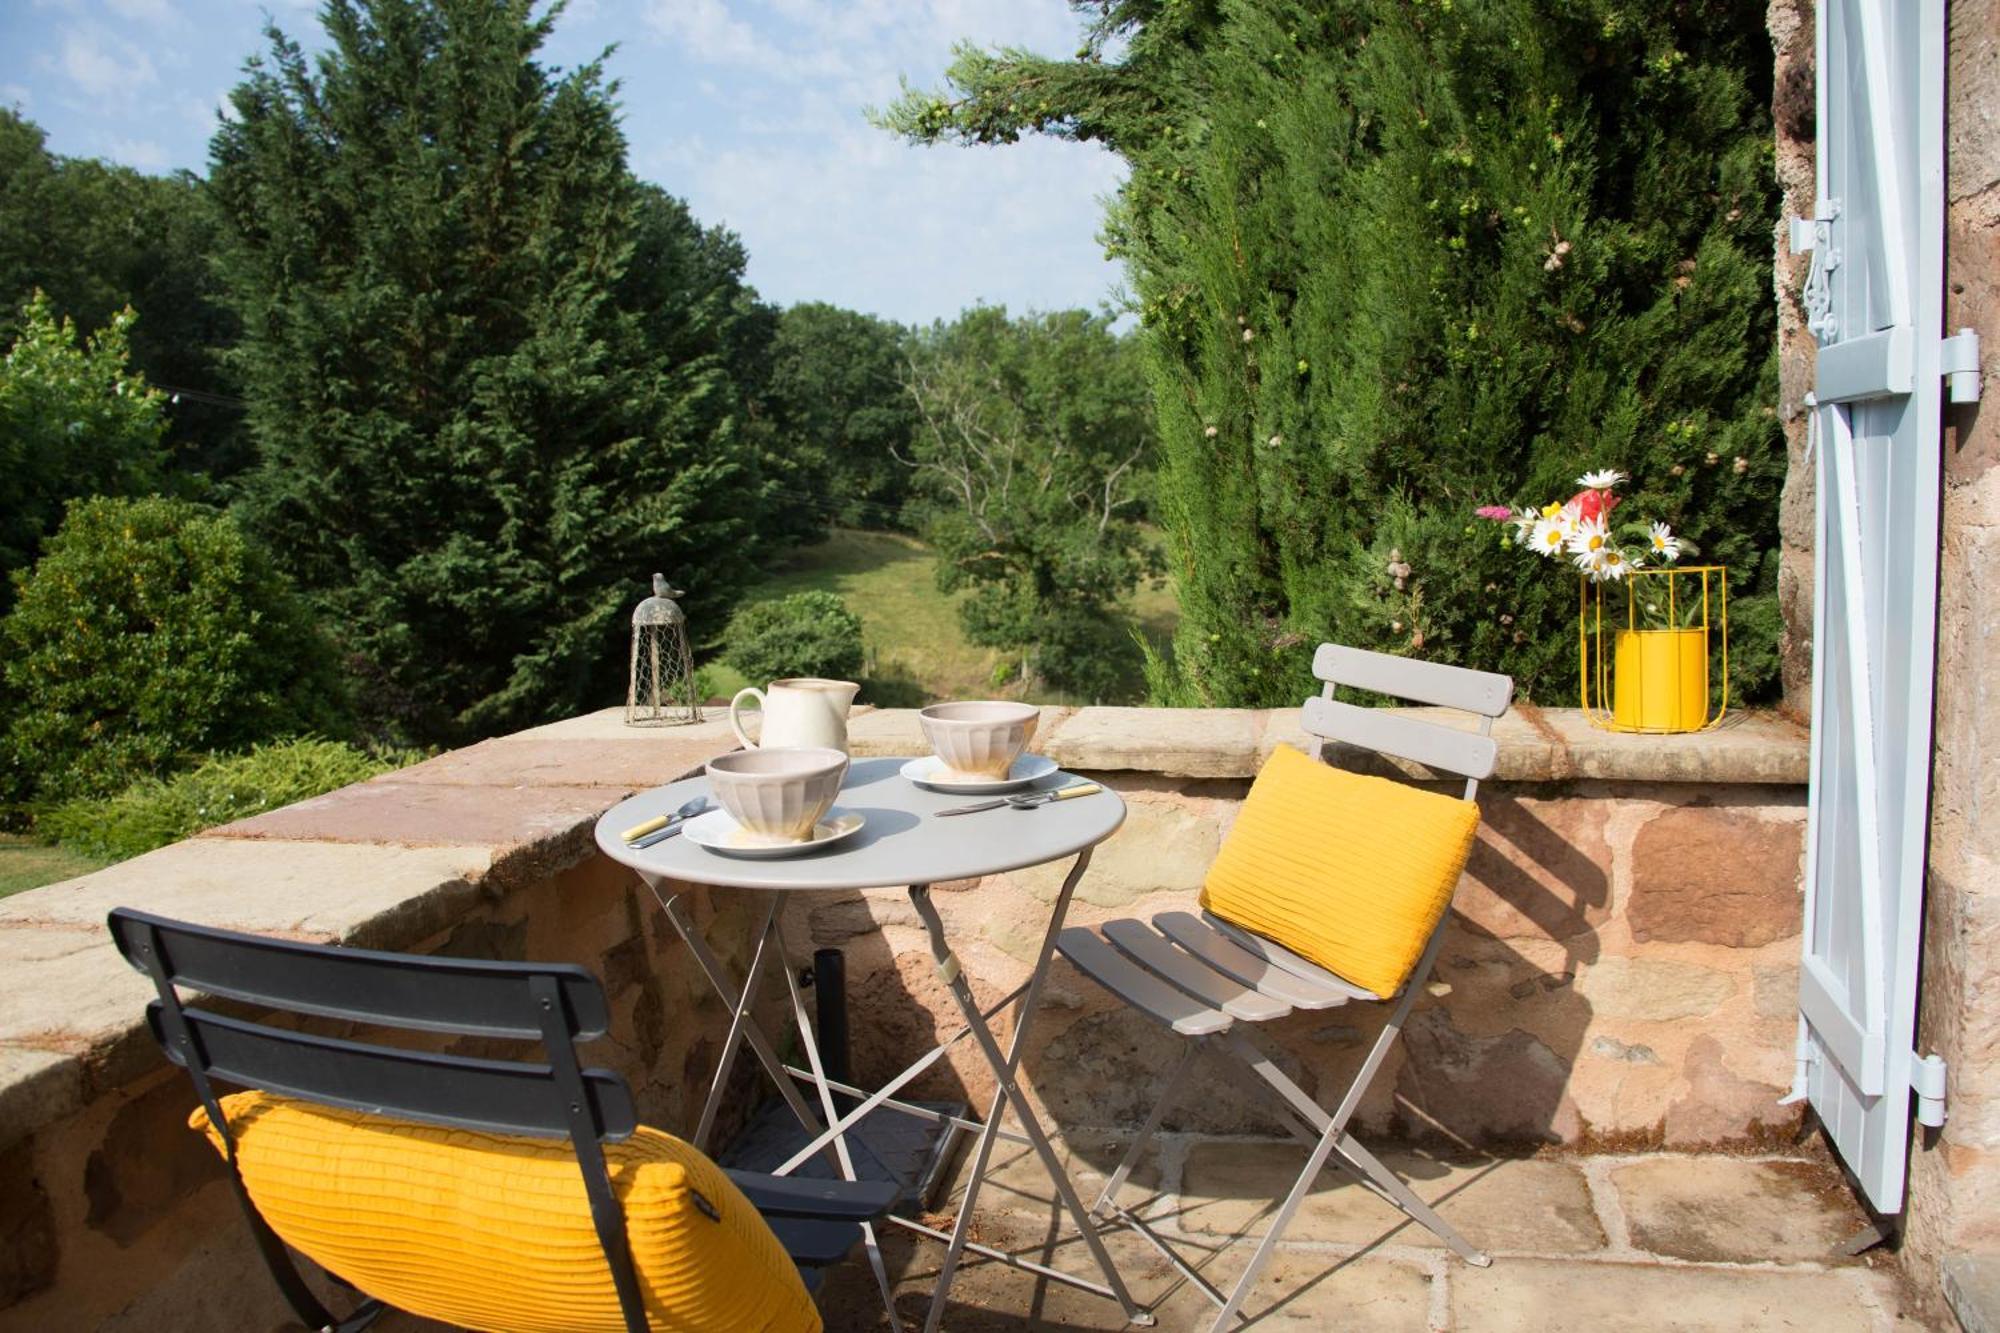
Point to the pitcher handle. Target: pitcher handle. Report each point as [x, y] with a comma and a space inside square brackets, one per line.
[737, 726]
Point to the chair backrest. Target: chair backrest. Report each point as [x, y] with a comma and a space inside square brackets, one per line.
[552, 1005]
[1468, 754]
[1471, 755]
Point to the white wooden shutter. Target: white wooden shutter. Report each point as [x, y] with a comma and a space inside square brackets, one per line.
[1874, 304]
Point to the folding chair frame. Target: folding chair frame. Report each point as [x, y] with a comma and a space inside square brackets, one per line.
[1326, 1134]
[556, 1005]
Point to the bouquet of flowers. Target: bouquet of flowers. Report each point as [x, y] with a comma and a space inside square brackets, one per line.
[1581, 531]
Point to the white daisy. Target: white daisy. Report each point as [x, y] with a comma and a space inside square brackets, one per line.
[1602, 480]
[1524, 525]
[1666, 546]
[1549, 536]
[1612, 564]
[1589, 538]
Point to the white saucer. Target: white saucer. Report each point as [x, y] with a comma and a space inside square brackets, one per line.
[928, 772]
[718, 832]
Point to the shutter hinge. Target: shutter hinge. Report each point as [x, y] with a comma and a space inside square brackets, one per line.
[1803, 1060]
[1805, 234]
[1958, 362]
[1927, 1077]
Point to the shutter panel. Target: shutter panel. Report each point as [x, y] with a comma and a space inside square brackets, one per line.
[1874, 304]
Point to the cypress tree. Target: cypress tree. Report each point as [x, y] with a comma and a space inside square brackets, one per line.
[1395, 259]
[486, 369]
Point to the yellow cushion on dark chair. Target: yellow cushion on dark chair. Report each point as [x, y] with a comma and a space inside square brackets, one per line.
[1351, 872]
[491, 1231]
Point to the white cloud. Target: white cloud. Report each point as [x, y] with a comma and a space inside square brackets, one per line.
[831, 208]
[145, 11]
[103, 66]
[145, 154]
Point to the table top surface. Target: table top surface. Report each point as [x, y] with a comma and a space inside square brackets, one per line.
[902, 841]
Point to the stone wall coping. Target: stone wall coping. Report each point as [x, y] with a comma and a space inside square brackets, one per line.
[396, 860]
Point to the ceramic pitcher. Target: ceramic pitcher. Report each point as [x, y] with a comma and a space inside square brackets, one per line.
[802, 712]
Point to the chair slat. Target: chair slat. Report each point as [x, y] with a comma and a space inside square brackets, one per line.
[1232, 959]
[1136, 986]
[1279, 956]
[815, 1243]
[1482, 692]
[1466, 753]
[466, 996]
[1152, 951]
[503, 1096]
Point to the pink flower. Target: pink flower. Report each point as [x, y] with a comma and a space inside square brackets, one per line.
[1498, 513]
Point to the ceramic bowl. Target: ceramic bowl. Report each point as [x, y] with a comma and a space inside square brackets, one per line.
[980, 739]
[777, 794]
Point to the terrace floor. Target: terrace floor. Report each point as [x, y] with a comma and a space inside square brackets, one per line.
[1650, 1241]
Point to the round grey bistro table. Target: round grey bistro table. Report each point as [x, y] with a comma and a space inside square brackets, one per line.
[902, 842]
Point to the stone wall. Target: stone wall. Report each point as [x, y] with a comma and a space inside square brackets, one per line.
[112, 1214]
[1954, 1200]
[1620, 970]
[1621, 966]
[1792, 115]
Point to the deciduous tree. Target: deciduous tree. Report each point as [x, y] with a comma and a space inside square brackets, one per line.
[1032, 451]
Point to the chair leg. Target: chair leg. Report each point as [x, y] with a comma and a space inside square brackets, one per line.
[1365, 1162]
[1168, 1091]
[1351, 1155]
[1269, 1244]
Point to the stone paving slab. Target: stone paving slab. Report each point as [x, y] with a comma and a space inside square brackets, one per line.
[423, 814]
[1317, 1281]
[313, 890]
[66, 988]
[1547, 1296]
[1297, 1291]
[608, 724]
[1746, 747]
[1723, 1210]
[634, 762]
[1178, 742]
[1518, 1205]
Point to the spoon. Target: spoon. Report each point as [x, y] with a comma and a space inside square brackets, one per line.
[680, 819]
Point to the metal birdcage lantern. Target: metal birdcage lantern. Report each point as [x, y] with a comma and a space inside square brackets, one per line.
[662, 691]
[1661, 664]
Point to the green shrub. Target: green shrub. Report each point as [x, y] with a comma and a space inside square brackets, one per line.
[75, 420]
[151, 632]
[152, 813]
[805, 634]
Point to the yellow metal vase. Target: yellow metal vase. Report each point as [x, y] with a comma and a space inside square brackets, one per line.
[1659, 680]
[1657, 659]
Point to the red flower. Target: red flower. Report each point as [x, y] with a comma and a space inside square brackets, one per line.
[1595, 504]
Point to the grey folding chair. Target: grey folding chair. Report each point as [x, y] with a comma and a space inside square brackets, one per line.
[1202, 976]
[557, 1006]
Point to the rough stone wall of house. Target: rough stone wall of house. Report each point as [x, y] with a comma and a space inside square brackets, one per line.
[1792, 112]
[1954, 1202]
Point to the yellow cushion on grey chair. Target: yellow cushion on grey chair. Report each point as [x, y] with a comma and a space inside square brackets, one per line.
[493, 1232]
[1351, 872]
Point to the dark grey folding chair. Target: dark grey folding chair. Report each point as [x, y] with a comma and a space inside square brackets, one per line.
[818, 1222]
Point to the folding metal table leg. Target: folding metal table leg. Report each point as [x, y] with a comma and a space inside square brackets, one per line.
[810, 1041]
[719, 981]
[1008, 1091]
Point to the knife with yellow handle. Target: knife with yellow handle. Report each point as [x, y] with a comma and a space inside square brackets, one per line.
[1028, 801]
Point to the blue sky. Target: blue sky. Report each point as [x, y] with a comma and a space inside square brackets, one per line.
[749, 109]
